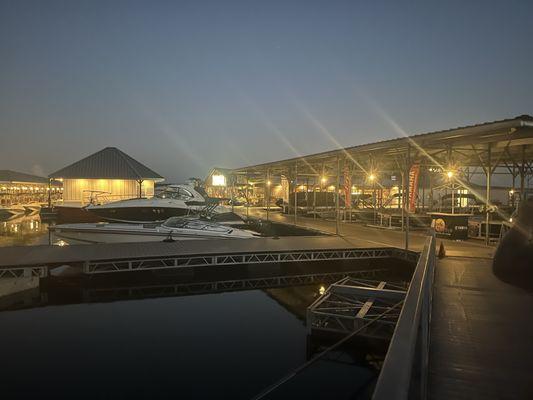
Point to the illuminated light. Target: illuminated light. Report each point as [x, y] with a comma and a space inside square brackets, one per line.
[449, 174]
[322, 290]
[61, 243]
[511, 219]
[511, 191]
[371, 177]
[269, 183]
[218, 180]
[323, 179]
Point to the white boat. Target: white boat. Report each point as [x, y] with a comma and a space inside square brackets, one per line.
[175, 228]
[174, 201]
[11, 210]
[32, 207]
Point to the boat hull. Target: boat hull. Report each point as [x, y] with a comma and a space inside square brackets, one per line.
[126, 234]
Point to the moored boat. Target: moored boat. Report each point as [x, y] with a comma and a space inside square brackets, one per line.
[11, 210]
[174, 228]
[174, 201]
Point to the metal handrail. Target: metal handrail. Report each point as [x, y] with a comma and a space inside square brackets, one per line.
[409, 346]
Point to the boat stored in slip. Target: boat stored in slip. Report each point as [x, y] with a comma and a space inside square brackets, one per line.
[174, 201]
[32, 208]
[11, 210]
[175, 228]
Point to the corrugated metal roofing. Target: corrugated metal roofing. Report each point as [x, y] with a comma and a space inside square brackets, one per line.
[14, 176]
[109, 163]
[473, 133]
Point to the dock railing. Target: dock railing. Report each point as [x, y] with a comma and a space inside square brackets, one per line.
[404, 374]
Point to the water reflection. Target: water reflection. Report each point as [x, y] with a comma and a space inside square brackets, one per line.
[25, 230]
[222, 345]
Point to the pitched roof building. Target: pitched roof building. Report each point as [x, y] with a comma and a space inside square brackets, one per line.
[107, 175]
[108, 163]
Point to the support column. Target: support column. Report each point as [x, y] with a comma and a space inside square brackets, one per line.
[487, 204]
[140, 188]
[314, 197]
[337, 202]
[50, 193]
[232, 193]
[267, 193]
[406, 201]
[295, 192]
[523, 175]
[247, 196]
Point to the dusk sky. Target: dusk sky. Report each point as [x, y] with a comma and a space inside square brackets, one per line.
[183, 86]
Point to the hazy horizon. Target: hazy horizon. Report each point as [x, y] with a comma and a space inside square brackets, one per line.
[186, 86]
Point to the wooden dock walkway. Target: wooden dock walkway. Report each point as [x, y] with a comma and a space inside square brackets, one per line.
[97, 258]
[357, 233]
[481, 327]
[481, 334]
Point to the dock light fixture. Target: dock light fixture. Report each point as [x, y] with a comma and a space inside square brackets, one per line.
[323, 179]
[269, 183]
[449, 174]
[371, 177]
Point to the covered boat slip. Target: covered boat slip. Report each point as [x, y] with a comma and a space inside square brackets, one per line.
[400, 176]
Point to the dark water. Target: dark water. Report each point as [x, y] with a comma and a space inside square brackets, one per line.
[227, 345]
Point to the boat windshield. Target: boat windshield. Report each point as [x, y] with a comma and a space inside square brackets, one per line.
[183, 223]
[175, 193]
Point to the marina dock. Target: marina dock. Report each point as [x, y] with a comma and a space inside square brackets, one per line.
[480, 330]
[105, 258]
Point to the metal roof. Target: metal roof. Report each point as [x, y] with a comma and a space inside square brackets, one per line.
[14, 176]
[109, 163]
[511, 139]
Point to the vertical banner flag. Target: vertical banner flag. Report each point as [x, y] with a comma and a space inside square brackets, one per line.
[414, 172]
[285, 188]
[347, 187]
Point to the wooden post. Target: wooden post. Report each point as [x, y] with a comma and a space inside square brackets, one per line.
[140, 188]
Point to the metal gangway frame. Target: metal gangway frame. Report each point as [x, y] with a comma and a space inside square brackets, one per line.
[404, 374]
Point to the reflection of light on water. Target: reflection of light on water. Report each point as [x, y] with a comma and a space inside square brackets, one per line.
[31, 225]
[322, 290]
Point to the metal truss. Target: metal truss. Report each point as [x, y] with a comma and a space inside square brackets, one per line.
[23, 272]
[125, 265]
[348, 305]
[185, 289]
